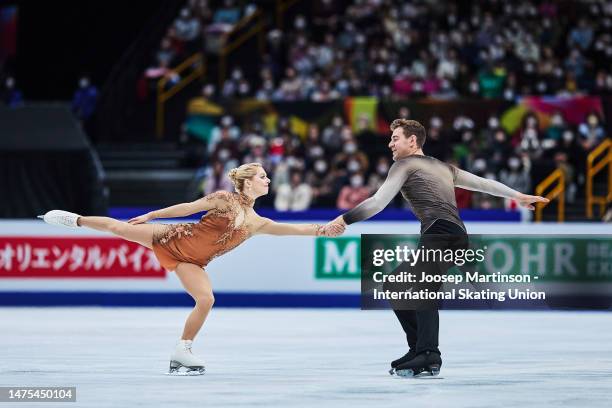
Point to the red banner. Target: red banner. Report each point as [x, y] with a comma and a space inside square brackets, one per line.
[75, 257]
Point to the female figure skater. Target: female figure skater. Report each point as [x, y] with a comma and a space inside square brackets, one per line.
[188, 247]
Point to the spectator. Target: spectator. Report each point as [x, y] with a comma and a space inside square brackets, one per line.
[187, 26]
[257, 153]
[84, 100]
[377, 178]
[591, 132]
[226, 125]
[352, 194]
[562, 163]
[581, 36]
[499, 151]
[217, 179]
[323, 182]
[556, 128]
[293, 196]
[515, 176]
[437, 145]
[229, 13]
[10, 95]
[226, 148]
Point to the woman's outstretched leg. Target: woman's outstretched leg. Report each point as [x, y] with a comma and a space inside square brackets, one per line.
[141, 233]
[196, 283]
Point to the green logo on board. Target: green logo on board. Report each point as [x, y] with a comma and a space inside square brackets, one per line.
[338, 258]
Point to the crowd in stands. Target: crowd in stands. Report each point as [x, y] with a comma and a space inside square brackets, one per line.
[334, 167]
[396, 48]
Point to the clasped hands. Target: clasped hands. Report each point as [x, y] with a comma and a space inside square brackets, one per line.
[334, 228]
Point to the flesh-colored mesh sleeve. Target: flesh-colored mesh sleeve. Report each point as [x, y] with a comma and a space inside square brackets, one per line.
[398, 173]
[473, 182]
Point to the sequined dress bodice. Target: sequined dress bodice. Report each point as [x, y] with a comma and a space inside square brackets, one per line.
[220, 230]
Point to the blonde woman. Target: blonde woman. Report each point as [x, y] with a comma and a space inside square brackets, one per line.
[187, 248]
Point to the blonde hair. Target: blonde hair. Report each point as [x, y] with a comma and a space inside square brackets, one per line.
[239, 174]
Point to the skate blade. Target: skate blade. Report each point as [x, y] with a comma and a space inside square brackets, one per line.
[42, 217]
[191, 373]
[180, 370]
[433, 373]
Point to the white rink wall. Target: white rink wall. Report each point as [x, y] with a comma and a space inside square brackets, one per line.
[263, 264]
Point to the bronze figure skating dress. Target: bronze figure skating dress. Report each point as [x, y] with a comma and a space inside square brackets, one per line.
[229, 223]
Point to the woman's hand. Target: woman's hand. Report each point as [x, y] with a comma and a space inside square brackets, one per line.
[332, 230]
[141, 219]
[526, 201]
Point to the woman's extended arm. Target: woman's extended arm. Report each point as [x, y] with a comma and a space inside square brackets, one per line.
[182, 210]
[276, 228]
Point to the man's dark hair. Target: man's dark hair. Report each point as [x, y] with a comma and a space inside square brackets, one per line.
[411, 127]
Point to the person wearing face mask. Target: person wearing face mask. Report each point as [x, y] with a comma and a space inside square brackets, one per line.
[226, 128]
[332, 134]
[367, 138]
[488, 133]
[499, 150]
[323, 183]
[591, 132]
[226, 148]
[556, 128]
[351, 159]
[293, 196]
[10, 95]
[379, 174]
[313, 148]
[216, 179]
[352, 194]
[428, 185]
[516, 176]
[437, 145]
[563, 164]
[84, 99]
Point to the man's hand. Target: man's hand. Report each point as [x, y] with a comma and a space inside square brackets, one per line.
[335, 227]
[526, 201]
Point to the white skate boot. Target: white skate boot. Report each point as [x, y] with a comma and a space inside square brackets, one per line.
[184, 358]
[61, 218]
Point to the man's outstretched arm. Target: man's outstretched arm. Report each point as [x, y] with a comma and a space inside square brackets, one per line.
[473, 182]
[370, 207]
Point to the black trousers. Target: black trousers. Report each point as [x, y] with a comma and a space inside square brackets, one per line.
[422, 325]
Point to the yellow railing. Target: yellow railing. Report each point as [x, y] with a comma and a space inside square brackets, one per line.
[281, 7]
[229, 47]
[558, 191]
[197, 63]
[593, 168]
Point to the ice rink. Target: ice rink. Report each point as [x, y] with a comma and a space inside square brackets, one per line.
[285, 357]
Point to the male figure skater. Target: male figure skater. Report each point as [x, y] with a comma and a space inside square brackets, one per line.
[428, 185]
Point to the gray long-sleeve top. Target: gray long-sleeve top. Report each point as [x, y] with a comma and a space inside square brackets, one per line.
[428, 185]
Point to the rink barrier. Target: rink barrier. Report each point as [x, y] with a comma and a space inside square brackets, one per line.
[265, 271]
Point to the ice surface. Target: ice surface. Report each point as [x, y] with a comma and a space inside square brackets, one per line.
[117, 357]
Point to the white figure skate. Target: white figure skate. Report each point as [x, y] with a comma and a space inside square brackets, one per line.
[184, 358]
[61, 218]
